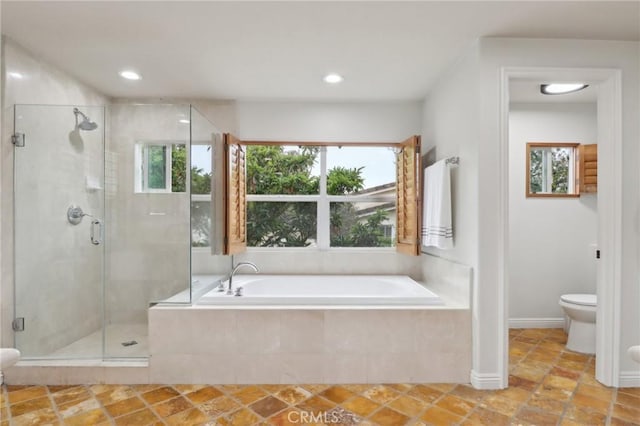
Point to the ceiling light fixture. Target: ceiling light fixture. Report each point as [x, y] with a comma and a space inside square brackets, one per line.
[561, 88]
[16, 75]
[333, 78]
[184, 121]
[130, 75]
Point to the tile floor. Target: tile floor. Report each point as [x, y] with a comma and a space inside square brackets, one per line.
[548, 386]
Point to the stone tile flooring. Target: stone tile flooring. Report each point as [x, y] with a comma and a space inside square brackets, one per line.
[548, 386]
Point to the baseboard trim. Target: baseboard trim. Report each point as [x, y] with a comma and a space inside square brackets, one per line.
[536, 322]
[629, 379]
[486, 381]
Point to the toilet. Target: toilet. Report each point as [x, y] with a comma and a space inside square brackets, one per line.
[581, 310]
[8, 357]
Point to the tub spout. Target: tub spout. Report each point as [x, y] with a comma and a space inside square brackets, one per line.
[238, 266]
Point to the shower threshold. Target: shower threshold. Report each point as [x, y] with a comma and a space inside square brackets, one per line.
[90, 345]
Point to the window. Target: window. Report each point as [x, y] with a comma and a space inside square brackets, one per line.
[322, 195]
[201, 195]
[160, 167]
[551, 170]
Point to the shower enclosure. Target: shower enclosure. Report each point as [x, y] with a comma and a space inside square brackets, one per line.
[102, 223]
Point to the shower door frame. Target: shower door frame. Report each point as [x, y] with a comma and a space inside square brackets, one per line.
[60, 223]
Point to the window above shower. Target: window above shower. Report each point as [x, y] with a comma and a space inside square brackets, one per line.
[160, 167]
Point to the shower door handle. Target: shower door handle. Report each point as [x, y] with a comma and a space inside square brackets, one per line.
[96, 240]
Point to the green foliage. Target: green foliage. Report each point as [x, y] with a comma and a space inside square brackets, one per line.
[200, 181]
[272, 170]
[348, 231]
[200, 224]
[178, 168]
[200, 215]
[559, 159]
[343, 181]
[560, 184]
[156, 162]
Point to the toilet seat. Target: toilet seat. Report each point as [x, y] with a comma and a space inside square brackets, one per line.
[580, 299]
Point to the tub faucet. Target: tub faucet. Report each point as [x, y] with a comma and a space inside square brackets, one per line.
[238, 266]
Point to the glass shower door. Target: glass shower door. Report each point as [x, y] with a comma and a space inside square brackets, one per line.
[58, 225]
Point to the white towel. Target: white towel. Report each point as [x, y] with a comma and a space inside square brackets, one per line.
[436, 220]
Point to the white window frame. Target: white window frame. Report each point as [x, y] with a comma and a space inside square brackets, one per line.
[547, 170]
[323, 202]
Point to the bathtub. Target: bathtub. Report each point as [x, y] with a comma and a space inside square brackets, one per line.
[316, 290]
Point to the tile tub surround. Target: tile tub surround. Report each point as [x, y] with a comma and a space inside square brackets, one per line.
[301, 345]
[579, 399]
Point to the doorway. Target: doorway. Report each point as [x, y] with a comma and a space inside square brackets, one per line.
[609, 206]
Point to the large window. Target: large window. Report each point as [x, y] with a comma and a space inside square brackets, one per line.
[320, 196]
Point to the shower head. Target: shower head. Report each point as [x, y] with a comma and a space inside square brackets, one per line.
[86, 123]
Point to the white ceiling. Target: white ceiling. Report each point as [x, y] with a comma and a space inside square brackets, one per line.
[281, 50]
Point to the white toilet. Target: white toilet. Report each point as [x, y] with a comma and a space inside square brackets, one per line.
[581, 310]
[8, 357]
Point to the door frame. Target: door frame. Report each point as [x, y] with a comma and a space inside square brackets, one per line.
[609, 275]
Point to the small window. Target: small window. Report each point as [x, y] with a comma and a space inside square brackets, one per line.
[551, 170]
[160, 167]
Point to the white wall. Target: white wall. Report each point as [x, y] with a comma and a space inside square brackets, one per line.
[328, 121]
[337, 122]
[451, 128]
[551, 239]
[450, 121]
[495, 54]
[45, 296]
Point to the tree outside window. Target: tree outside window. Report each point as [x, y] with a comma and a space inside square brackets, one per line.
[551, 169]
[284, 192]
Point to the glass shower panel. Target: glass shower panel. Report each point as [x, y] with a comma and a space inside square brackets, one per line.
[147, 198]
[206, 268]
[58, 225]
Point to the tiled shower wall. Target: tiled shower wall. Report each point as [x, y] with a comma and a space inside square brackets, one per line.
[148, 233]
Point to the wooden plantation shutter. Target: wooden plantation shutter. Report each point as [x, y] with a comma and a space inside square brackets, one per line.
[235, 202]
[408, 194]
[588, 168]
[408, 201]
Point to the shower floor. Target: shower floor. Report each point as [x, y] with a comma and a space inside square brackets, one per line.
[91, 346]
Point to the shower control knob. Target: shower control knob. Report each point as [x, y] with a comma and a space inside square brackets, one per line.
[74, 214]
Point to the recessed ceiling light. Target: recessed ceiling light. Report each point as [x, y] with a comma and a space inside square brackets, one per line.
[130, 75]
[184, 121]
[561, 88]
[333, 78]
[15, 75]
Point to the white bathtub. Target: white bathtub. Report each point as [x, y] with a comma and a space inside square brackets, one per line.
[313, 290]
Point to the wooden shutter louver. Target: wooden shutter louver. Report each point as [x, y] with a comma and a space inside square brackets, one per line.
[408, 201]
[235, 196]
[588, 168]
